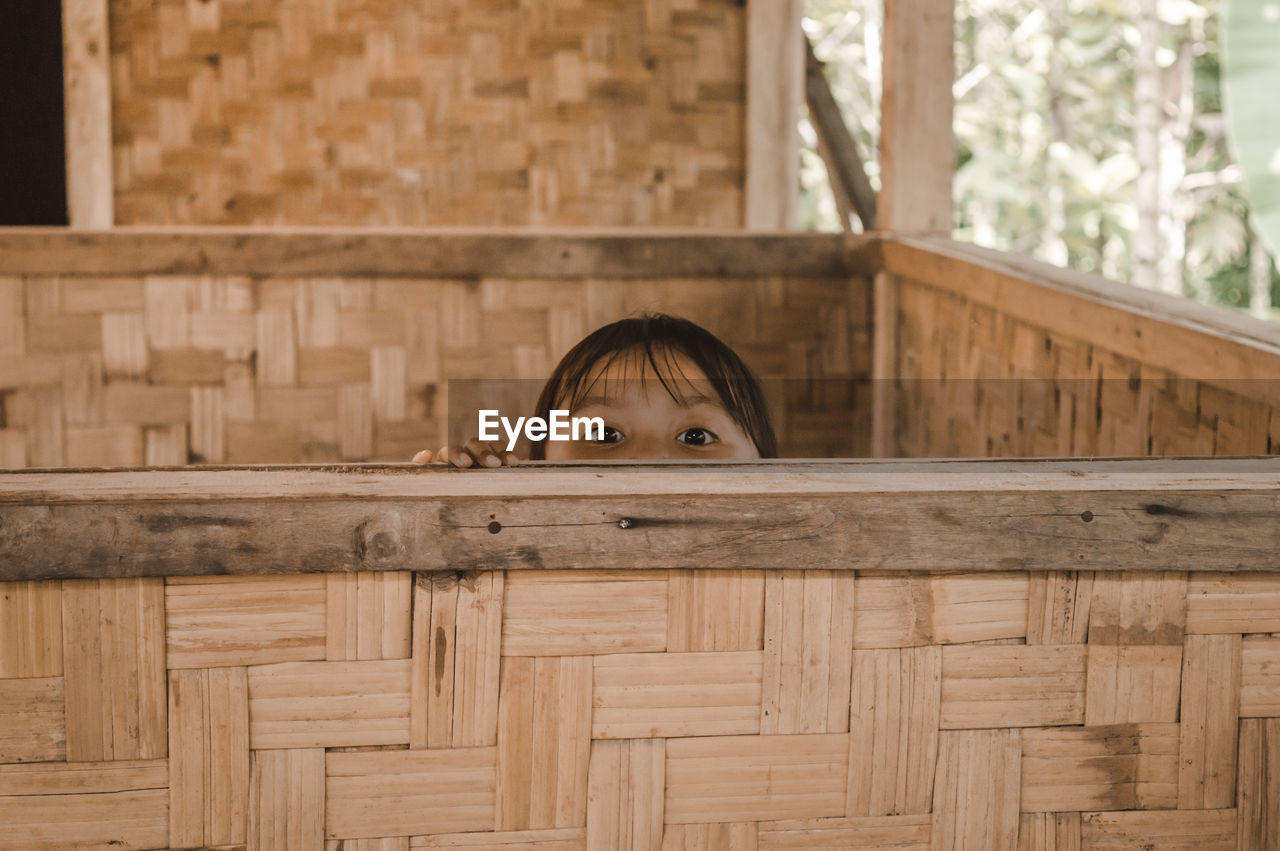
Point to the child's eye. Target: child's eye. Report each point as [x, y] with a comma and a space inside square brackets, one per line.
[697, 437]
[609, 435]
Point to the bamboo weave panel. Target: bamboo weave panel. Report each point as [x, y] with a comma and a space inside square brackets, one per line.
[1039, 726]
[407, 113]
[126, 371]
[1011, 389]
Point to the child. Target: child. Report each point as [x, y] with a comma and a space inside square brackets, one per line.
[664, 387]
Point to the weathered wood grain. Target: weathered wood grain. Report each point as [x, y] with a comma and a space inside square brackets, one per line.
[121, 804]
[33, 720]
[749, 515]
[1138, 608]
[443, 253]
[1049, 832]
[1132, 684]
[1058, 607]
[457, 639]
[1112, 767]
[1180, 830]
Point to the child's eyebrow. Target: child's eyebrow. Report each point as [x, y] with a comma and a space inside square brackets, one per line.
[684, 402]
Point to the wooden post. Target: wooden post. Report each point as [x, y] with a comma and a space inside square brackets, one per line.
[775, 85]
[917, 146]
[87, 107]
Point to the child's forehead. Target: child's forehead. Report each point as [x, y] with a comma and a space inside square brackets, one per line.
[635, 365]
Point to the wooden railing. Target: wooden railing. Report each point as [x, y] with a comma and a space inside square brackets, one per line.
[774, 655]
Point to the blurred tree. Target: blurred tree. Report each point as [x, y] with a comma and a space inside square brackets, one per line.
[1089, 134]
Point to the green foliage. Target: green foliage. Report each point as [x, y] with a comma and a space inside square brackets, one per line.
[1044, 123]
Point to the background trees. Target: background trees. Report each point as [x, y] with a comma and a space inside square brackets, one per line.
[1090, 134]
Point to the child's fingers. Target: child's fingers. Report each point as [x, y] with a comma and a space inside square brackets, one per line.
[510, 459]
[423, 457]
[483, 453]
[453, 455]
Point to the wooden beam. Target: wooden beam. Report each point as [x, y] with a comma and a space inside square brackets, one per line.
[1157, 514]
[1161, 331]
[434, 253]
[884, 365]
[845, 168]
[917, 144]
[775, 81]
[87, 107]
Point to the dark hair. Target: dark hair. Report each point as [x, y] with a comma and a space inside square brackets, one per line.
[658, 335]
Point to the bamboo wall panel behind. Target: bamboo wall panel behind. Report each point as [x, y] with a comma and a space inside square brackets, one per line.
[169, 370]
[976, 381]
[1098, 740]
[409, 113]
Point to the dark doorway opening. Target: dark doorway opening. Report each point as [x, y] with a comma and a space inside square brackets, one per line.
[33, 176]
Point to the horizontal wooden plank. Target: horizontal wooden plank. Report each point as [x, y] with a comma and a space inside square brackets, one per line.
[433, 253]
[927, 516]
[783, 477]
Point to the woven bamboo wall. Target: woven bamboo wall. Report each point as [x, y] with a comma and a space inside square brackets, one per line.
[661, 709]
[1029, 373]
[164, 370]
[573, 112]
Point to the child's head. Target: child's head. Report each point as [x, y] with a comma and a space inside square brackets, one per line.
[665, 388]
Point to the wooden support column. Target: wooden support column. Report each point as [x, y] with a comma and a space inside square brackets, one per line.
[87, 107]
[917, 145]
[775, 86]
[917, 161]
